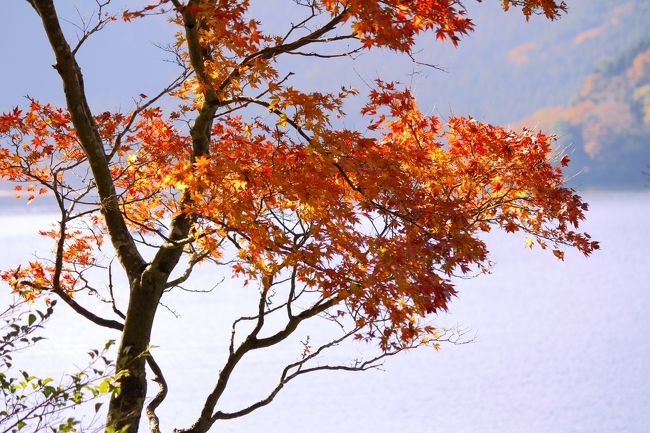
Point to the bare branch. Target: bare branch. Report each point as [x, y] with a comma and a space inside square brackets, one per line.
[270, 52]
[110, 291]
[154, 422]
[207, 417]
[87, 31]
[106, 323]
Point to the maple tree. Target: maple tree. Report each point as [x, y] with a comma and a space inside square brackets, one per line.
[363, 227]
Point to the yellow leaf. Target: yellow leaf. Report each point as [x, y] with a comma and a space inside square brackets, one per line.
[240, 185]
[529, 242]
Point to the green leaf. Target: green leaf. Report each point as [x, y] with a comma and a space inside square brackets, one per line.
[105, 386]
[108, 344]
[31, 319]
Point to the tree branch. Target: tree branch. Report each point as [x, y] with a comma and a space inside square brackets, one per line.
[269, 52]
[208, 417]
[106, 323]
[87, 31]
[154, 422]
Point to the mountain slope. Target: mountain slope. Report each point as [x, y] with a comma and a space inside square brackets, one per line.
[607, 124]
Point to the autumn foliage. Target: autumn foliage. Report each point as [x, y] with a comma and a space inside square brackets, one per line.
[252, 173]
[396, 214]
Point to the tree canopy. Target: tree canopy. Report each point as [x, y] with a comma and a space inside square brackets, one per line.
[365, 227]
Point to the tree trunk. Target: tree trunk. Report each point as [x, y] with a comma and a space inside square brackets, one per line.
[146, 280]
[126, 405]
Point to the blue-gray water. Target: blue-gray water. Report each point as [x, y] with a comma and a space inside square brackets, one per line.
[560, 347]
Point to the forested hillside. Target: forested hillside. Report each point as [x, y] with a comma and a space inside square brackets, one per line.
[607, 124]
[584, 77]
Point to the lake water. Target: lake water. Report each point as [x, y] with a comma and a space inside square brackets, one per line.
[559, 347]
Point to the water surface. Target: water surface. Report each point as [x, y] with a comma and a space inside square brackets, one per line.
[559, 346]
